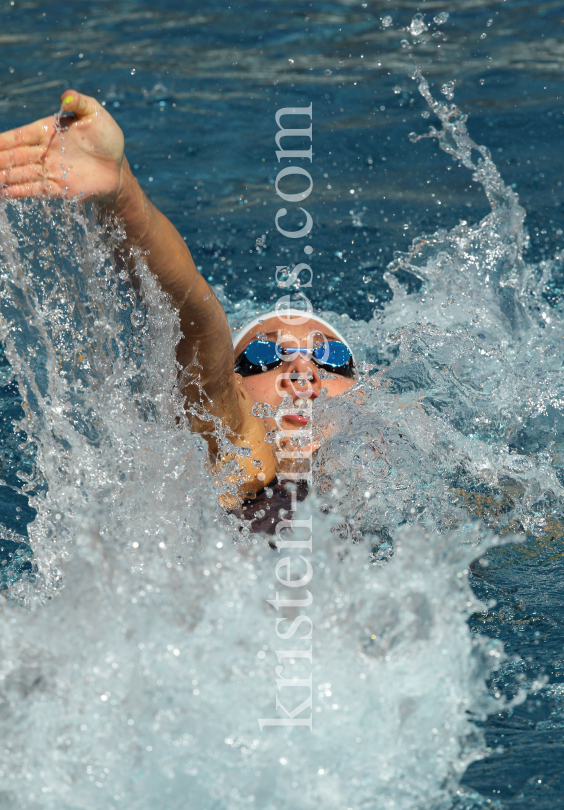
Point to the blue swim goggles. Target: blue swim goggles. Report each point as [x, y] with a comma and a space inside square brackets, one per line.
[264, 355]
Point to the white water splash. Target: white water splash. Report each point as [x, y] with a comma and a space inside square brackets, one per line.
[471, 389]
[140, 686]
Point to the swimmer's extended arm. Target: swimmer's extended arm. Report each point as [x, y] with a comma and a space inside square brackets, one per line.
[93, 166]
[206, 333]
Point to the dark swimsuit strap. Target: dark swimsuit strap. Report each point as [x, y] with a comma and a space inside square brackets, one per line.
[264, 509]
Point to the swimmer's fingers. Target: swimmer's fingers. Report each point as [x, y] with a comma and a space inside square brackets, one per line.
[17, 175]
[24, 190]
[21, 156]
[16, 142]
[29, 181]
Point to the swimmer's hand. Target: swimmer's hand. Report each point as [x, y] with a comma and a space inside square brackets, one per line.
[64, 156]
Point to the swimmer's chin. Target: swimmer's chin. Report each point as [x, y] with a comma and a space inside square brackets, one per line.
[297, 468]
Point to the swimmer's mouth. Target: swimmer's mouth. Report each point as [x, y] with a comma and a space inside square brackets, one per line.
[296, 418]
[301, 411]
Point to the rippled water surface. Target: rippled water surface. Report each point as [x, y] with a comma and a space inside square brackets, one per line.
[129, 674]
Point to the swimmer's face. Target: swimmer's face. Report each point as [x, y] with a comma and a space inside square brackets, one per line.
[297, 379]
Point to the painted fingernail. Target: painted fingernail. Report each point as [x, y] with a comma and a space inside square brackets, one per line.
[68, 99]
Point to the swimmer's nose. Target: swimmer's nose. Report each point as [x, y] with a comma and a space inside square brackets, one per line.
[301, 379]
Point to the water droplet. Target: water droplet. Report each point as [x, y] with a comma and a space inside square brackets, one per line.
[448, 90]
[261, 409]
[417, 25]
[441, 18]
[386, 21]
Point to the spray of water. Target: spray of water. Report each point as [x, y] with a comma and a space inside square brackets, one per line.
[468, 390]
[137, 653]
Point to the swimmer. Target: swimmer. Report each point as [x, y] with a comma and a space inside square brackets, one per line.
[271, 360]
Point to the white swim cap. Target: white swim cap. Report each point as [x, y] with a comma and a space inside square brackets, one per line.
[283, 313]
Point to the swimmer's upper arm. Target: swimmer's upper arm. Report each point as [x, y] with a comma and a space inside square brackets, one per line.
[205, 352]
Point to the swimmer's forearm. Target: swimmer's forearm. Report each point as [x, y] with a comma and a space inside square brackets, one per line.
[204, 325]
[148, 230]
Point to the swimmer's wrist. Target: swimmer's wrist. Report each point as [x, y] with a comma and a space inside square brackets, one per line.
[121, 199]
[130, 204]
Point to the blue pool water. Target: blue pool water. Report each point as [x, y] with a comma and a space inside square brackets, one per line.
[195, 90]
